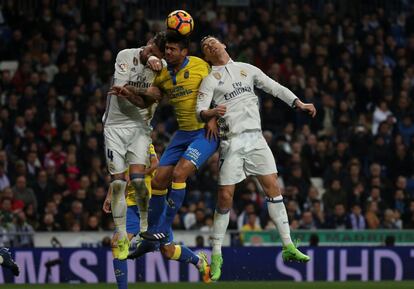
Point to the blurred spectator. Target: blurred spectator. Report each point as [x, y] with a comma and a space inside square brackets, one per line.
[252, 223]
[338, 220]
[307, 222]
[389, 221]
[48, 224]
[333, 196]
[199, 242]
[356, 220]
[22, 192]
[371, 215]
[24, 232]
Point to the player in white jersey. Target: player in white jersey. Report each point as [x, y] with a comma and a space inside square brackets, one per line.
[127, 130]
[229, 89]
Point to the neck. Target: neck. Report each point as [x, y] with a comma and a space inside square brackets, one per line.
[222, 60]
[178, 65]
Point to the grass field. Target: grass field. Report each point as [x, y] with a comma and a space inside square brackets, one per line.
[230, 285]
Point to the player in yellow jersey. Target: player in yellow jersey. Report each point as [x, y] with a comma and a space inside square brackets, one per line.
[188, 150]
[136, 216]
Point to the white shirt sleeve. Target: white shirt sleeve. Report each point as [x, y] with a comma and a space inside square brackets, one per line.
[268, 85]
[205, 95]
[121, 75]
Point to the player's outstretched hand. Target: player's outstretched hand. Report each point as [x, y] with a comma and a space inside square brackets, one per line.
[212, 129]
[154, 63]
[107, 205]
[309, 107]
[220, 110]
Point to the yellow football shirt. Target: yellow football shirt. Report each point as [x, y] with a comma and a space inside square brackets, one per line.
[130, 198]
[182, 90]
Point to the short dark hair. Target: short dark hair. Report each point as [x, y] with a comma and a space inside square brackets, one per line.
[174, 37]
[205, 38]
[160, 39]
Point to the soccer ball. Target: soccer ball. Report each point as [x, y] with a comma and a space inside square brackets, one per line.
[181, 22]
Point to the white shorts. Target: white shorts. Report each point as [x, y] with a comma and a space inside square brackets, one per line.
[126, 146]
[244, 155]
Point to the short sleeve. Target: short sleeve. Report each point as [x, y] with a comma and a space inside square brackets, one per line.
[121, 75]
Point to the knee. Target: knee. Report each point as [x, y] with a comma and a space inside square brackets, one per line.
[118, 186]
[272, 188]
[167, 251]
[225, 199]
[138, 184]
[179, 175]
[158, 184]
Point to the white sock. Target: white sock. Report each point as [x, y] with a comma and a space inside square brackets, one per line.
[1, 260]
[277, 212]
[221, 222]
[142, 200]
[119, 205]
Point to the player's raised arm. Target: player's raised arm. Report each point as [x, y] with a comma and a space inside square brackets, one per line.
[267, 84]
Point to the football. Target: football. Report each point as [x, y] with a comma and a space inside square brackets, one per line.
[181, 22]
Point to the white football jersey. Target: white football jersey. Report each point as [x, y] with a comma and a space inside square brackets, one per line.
[233, 85]
[129, 71]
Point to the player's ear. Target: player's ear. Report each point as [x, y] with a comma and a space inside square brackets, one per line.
[184, 51]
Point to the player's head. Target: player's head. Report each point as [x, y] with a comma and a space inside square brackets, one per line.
[213, 49]
[156, 46]
[176, 48]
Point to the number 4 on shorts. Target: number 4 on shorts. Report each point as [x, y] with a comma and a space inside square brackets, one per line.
[110, 155]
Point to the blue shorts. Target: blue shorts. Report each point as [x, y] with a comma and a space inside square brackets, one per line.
[191, 145]
[132, 220]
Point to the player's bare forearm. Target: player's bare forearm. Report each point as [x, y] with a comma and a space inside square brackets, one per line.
[140, 97]
[218, 111]
[153, 166]
[208, 114]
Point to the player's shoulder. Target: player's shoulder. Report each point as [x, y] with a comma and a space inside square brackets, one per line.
[128, 53]
[246, 69]
[197, 60]
[244, 64]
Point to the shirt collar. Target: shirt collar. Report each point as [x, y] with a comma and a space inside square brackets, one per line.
[219, 67]
[184, 64]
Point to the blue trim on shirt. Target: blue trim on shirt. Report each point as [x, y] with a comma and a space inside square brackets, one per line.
[171, 70]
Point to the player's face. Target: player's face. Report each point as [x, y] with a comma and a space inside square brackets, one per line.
[174, 55]
[213, 48]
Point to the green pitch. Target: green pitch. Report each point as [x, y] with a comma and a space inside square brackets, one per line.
[230, 285]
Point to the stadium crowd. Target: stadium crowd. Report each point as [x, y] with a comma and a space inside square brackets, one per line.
[350, 168]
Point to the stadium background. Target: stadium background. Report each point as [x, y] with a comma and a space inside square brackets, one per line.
[349, 170]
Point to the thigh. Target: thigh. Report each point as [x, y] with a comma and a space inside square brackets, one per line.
[174, 150]
[115, 151]
[200, 149]
[260, 162]
[137, 149]
[231, 169]
[132, 220]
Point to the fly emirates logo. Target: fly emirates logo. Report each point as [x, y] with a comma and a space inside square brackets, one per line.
[238, 89]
